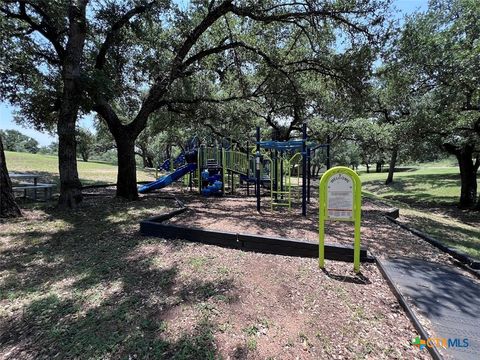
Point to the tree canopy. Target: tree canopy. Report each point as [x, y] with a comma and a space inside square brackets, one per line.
[154, 71]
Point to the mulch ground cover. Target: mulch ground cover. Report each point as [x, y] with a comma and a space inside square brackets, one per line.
[88, 285]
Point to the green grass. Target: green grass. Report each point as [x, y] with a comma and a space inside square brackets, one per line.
[47, 166]
[427, 197]
[458, 234]
[424, 186]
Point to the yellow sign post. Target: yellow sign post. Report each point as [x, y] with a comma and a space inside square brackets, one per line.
[340, 199]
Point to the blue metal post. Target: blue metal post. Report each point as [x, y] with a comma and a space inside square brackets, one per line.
[257, 169]
[304, 170]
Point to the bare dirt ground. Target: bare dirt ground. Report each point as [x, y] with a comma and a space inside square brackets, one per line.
[88, 285]
[380, 236]
[238, 214]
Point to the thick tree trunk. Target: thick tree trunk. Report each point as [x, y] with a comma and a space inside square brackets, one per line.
[368, 168]
[8, 206]
[378, 167]
[70, 186]
[393, 163]
[127, 167]
[468, 176]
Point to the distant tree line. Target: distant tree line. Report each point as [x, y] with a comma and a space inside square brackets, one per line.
[14, 140]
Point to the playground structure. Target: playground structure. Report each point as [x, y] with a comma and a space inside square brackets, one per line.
[285, 156]
[274, 163]
[280, 167]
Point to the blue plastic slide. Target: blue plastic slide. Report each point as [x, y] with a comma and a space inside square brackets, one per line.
[167, 179]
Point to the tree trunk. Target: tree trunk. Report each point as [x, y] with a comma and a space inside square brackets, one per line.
[168, 151]
[127, 167]
[84, 156]
[142, 153]
[70, 186]
[393, 163]
[149, 161]
[8, 206]
[468, 176]
[368, 168]
[378, 168]
[144, 159]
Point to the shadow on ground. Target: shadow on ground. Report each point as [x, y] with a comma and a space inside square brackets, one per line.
[415, 189]
[465, 239]
[85, 294]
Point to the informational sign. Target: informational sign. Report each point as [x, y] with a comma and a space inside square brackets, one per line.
[340, 197]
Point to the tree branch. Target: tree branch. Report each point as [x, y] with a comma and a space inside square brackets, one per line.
[200, 55]
[289, 15]
[116, 27]
[46, 30]
[192, 38]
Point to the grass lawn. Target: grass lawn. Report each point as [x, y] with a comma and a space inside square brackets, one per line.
[90, 172]
[424, 186]
[427, 197]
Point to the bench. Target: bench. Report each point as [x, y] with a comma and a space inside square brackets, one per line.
[47, 188]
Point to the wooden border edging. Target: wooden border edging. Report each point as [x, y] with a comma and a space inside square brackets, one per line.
[406, 307]
[97, 186]
[394, 213]
[466, 260]
[248, 242]
[391, 211]
[100, 186]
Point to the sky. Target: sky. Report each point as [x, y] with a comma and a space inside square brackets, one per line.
[6, 111]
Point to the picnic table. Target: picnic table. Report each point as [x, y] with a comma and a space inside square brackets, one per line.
[24, 176]
[35, 186]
